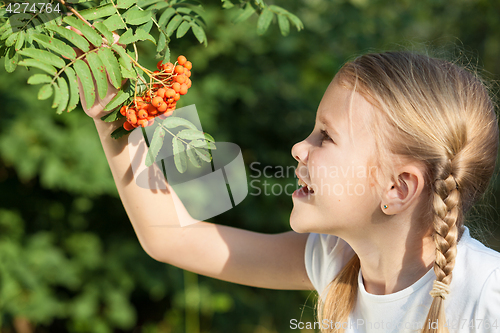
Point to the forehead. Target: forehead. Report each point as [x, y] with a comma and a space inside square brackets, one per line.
[345, 111]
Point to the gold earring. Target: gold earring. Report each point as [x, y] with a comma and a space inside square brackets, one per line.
[385, 206]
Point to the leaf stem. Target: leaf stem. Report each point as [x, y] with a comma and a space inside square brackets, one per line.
[77, 14]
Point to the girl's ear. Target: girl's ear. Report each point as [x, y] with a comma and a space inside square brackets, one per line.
[402, 193]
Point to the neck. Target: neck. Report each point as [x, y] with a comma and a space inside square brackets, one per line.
[393, 258]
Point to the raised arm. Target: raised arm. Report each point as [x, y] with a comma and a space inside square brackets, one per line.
[230, 254]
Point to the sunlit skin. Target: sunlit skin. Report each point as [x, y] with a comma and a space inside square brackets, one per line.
[394, 245]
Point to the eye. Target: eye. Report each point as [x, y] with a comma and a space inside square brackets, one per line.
[325, 136]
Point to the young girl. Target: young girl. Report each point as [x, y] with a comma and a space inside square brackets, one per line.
[384, 245]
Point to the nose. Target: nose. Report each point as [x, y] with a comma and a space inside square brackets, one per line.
[300, 151]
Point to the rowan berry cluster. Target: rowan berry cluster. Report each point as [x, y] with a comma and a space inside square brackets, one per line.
[169, 82]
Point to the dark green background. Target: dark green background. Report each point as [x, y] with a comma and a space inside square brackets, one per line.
[69, 259]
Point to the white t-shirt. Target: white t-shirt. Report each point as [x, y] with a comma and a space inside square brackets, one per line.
[473, 304]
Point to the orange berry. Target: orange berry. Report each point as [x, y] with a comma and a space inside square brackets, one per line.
[157, 101]
[123, 109]
[130, 111]
[142, 105]
[177, 97]
[142, 122]
[128, 126]
[170, 93]
[168, 67]
[151, 108]
[153, 112]
[176, 86]
[179, 69]
[187, 73]
[188, 65]
[181, 60]
[171, 100]
[188, 83]
[132, 119]
[184, 89]
[142, 114]
[159, 65]
[163, 107]
[156, 72]
[180, 78]
[161, 92]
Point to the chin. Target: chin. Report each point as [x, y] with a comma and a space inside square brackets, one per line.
[299, 224]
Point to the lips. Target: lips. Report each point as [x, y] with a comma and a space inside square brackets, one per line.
[304, 185]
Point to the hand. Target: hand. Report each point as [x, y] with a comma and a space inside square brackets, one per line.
[96, 111]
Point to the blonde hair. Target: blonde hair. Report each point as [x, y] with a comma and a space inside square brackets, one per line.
[438, 114]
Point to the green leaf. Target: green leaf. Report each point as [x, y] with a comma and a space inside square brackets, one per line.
[179, 155]
[144, 3]
[193, 157]
[203, 154]
[147, 26]
[74, 96]
[203, 144]
[64, 95]
[72, 36]
[83, 72]
[101, 27]
[199, 33]
[279, 10]
[155, 146]
[183, 28]
[143, 35]
[264, 21]
[99, 72]
[190, 134]
[43, 56]
[38, 64]
[39, 78]
[126, 73]
[57, 95]
[50, 19]
[173, 122]
[162, 43]
[55, 45]
[244, 13]
[296, 21]
[118, 100]
[11, 60]
[128, 37]
[135, 16]
[20, 40]
[119, 132]
[127, 62]
[227, 4]
[114, 23]
[87, 31]
[112, 66]
[45, 92]
[173, 24]
[98, 12]
[208, 137]
[12, 39]
[124, 4]
[165, 16]
[284, 25]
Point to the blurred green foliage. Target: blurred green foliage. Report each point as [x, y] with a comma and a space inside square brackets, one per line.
[69, 259]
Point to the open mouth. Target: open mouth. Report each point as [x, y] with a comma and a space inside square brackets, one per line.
[304, 187]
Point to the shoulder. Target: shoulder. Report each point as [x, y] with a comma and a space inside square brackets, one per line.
[325, 255]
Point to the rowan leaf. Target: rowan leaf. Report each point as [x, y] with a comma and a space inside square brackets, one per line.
[284, 24]
[112, 66]
[87, 31]
[126, 61]
[71, 36]
[128, 37]
[143, 35]
[124, 4]
[20, 40]
[155, 145]
[98, 12]
[11, 39]
[119, 132]
[173, 24]
[264, 21]
[57, 95]
[55, 45]
[203, 144]
[39, 78]
[114, 22]
[296, 21]
[183, 28]
[43, 56]
[103, 30]
[179, 155]
[38, 64]
[83, 73]
[208, 137]
[190, 134]
[203, 154]
[199, 33]
[173, 122]
[118, 100]
[11, 60]
[99, 72]
[135, 16]
[45, 92]
[193, 157]
[63, 86]
[74, 96]
[244, 13]
[165, 16]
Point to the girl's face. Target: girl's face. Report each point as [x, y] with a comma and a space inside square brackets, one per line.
[334, 163]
